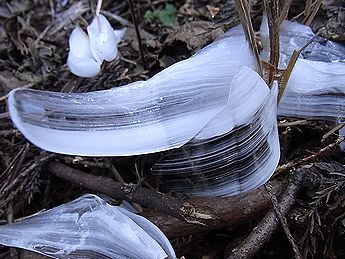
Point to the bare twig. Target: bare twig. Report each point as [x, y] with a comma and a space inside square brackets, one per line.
[271, 7]
[135, 21]
[332, 131]
[98, 7]
[286, 124]
[308, 159]
[10, 220]
[118, 18]
[285, 10]
[243, 9]
[4, 115]
[283, 221]
[311, 12]
[262, 232]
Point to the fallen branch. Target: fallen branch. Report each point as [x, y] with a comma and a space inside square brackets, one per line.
[208, 213]
[263, 231]
[122, 191]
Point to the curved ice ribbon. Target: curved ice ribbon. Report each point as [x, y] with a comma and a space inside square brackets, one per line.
[163, 113]
[237, 151]
[88, 227]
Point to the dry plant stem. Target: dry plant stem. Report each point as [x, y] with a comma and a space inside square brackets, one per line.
[228, 211]
[292, 123]
[243, 10]
[308, 7]
[311, 15]
[4, 115]
[98, 7]
[283, 221]
[12, 169]
[10, 220]
[262, 232]
[308, 159]
[332, 131]
[285, 76]
[285, 11]
[271, 7]
[135, 21]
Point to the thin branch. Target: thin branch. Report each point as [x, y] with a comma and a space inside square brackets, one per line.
[135, 21]
[262, 232]
[271, 7]
[243, 9]
[283, 221]
[122, 191]
[285, 11]
[310, 16]
[322, 152]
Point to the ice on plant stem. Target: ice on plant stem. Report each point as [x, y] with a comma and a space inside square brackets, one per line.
[80, 60]
[88, 51]
[88, 227]
[316, 88]
[103, 39]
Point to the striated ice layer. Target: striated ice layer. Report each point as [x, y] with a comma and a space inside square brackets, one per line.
[163, 113]
[316, 88]
[88, 228]
[213, 110]
[293, 36]
[235, 160]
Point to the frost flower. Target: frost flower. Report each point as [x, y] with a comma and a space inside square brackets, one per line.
[87, 52]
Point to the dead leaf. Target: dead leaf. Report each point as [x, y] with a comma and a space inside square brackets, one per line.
[9, 82]
[195, 34]
[148, 39]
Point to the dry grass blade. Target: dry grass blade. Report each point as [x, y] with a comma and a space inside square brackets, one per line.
[272, 10]
[285, 76]
[308, 7]
[244, 14]
[310, 11]
[332, 131]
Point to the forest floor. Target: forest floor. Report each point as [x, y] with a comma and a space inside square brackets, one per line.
[33, 52]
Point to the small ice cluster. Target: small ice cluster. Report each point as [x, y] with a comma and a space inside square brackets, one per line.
[88, 227]
[88, 51]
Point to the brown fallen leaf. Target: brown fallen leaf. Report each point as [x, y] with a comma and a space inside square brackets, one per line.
[195, 34]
